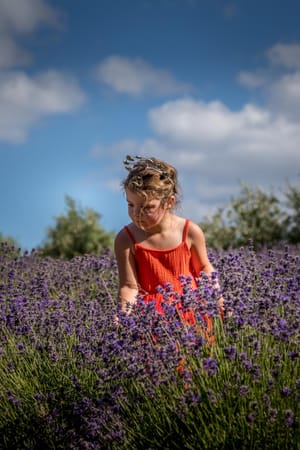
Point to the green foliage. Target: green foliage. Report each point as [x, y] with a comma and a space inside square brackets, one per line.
[292, 195]
[9, 242]
[255, 215]
[218, 233]
[73, 378]
[76, 233]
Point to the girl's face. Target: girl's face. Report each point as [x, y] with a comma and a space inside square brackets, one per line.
[146, 213]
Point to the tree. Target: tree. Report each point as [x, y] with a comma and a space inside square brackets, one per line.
[256, 215]
[218, 233]
[76, 233]
[9, 247]
[253, 214]
[292, 195]
[9, 240]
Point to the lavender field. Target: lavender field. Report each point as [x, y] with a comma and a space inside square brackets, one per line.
[73, 378]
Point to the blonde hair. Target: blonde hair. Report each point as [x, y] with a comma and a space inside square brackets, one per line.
[151, 177]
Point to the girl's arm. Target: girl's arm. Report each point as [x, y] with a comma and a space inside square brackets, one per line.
[200, 258]
[128, 283]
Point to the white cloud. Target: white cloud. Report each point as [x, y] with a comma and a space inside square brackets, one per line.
[284, 96]
[137, 77]
[286, 55]
[215, 147]
[24, 100]
[212, 128]
[18, 18]
[24, 16]
[251, 79]
[281, 90]
[195, 122]
[11, 54]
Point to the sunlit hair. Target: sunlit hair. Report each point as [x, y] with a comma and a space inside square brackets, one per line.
[150, 177]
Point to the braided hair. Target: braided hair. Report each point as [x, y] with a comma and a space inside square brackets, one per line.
[150, 177]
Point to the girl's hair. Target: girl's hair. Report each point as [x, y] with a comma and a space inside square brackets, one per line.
[150, 176]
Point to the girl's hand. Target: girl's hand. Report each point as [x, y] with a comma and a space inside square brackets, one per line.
[116, 320]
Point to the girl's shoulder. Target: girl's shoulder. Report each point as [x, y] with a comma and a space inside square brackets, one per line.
[194, 227]
[195, 233]
[122, 239]
[190, 230]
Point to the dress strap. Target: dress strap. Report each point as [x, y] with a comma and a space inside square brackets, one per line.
[185, 230]
[130, 234]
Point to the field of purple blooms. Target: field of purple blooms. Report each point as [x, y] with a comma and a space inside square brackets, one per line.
[73, 378]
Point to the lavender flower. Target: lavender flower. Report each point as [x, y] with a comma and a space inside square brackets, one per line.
[210, 365]
[286, 391]
[251, 418]
[244, 390]
[289, 418]
[230, 352]
[68, 367]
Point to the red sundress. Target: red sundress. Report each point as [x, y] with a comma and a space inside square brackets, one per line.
[156, 267]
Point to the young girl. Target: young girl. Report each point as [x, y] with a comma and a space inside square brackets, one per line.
[157, 247]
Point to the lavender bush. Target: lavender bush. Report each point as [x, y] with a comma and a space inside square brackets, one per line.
[71, 378]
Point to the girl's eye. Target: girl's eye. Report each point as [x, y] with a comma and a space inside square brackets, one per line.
[149, 208]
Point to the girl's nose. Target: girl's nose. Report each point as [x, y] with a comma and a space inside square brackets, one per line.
[137, 211]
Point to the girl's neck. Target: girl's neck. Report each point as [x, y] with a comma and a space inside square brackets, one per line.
[164, 226]
[165, 235]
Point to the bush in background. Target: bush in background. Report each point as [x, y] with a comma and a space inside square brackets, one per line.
[78, 232]
[257, 215]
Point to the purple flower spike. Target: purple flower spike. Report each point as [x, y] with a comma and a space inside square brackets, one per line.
[211, 366]
[286, 392]
[244, 390]
[289, 418]
[230, 352]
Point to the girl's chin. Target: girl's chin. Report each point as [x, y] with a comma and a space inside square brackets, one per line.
[143, 226]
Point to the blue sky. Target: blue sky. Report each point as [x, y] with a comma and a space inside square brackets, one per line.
[211, 86]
